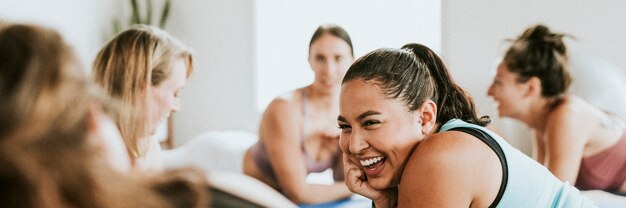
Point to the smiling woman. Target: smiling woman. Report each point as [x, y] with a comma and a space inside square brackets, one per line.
[411, 138]
[297, 134]
[576, 141]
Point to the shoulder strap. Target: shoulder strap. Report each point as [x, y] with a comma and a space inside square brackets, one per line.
[491, 142]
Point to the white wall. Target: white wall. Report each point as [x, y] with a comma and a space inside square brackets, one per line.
[220, 93]
[284, 29]
[85, 24]
[234, 38]
[219, 96]
[474, 34]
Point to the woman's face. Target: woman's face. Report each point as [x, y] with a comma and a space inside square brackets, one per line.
[507, 92]
[377, 133]
[165, 96]
[330, 58]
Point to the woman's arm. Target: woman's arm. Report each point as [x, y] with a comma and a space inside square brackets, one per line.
[566, 134]
[281, 128]
[442, 172]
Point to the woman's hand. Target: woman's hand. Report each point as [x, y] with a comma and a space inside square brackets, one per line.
[356, 180]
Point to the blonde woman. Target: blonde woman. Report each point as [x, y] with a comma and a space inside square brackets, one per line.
[145, 69]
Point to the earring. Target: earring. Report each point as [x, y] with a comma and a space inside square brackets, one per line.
[420, 121]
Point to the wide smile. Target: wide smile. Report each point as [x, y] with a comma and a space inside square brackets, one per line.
[373, 166]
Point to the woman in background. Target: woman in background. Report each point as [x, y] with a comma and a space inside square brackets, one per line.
[145, 69]
[576, 141]
[411, 138]
[57, 141]
[297, 133]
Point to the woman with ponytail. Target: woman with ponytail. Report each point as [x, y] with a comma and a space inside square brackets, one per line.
[411, 138]
[576, 141]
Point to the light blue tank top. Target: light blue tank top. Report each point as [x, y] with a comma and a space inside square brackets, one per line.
[529, 184]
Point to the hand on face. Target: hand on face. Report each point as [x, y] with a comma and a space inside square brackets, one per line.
[356, 181]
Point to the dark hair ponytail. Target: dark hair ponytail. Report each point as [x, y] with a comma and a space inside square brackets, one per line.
[413, 74]
[538, 52]
[452, 101]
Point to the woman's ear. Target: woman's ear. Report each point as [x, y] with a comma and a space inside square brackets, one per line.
[428, 116]
[308, 60]
[533, 86]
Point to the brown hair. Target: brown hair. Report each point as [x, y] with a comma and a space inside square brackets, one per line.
[47, 158]
[413, 74]
[333, 30]
[128, 66]
[45, 97]
[540, 53]
[39, 76]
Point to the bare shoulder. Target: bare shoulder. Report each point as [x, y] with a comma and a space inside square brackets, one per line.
[284, 106]
[573, 106]
[442, 153]
[568, 105]
[572, 113]
[449, 146]
[281, 118]
[445, 165]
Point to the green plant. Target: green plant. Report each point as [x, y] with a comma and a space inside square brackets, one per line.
[137, 18]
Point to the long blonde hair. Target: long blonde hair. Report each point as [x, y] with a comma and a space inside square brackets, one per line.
[127, 68]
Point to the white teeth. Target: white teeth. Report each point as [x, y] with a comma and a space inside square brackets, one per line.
[371, 161]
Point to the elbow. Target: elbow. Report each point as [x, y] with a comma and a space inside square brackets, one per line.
[299, 197]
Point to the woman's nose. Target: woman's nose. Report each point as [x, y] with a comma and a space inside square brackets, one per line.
[490, 90]
[357, 143]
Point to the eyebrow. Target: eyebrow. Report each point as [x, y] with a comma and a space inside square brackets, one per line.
[360, 117]
[366, 114]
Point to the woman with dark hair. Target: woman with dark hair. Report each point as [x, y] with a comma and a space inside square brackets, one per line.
[411, 138]
[576, 141]
[297, 134]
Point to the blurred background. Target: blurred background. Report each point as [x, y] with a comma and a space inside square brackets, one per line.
[248, 52]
